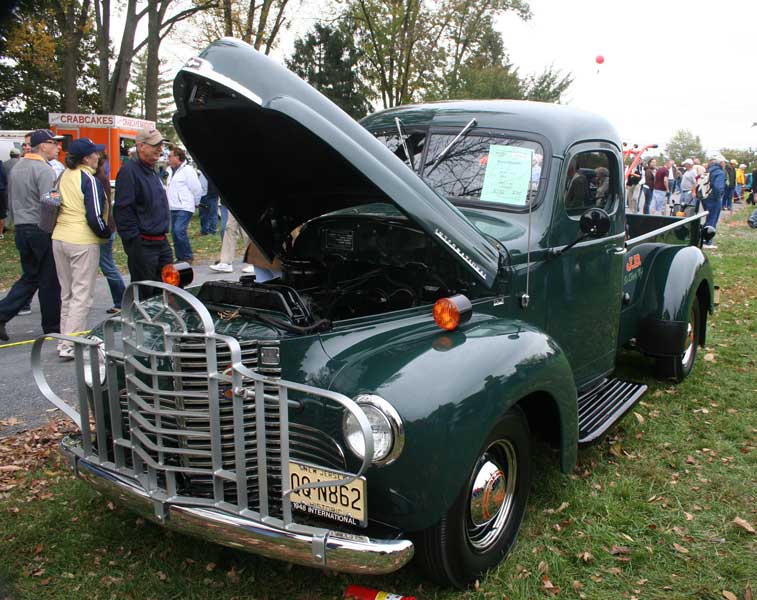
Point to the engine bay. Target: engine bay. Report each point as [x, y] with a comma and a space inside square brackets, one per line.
[354, 263]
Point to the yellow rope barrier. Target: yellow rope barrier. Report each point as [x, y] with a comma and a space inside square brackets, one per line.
[32, 341]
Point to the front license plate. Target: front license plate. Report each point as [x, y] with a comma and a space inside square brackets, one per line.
[343, 503]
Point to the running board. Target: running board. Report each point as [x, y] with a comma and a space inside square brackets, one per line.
[603, 406]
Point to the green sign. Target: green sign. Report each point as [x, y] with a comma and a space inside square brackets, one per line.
[508, 174]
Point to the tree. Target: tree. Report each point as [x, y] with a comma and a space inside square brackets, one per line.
[328, 61]
[443, 49]
[747, 156]
[33, 67]
[114, 84]
[487, 73]
[469, 34]
[400, 42]
[684, 144]
[136, 101]
[549, 86]
[257, 22]
[74, 23]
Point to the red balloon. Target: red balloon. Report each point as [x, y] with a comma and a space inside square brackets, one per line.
[600, 59]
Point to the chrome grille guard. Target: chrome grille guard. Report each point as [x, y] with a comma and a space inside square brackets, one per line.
[151, 449]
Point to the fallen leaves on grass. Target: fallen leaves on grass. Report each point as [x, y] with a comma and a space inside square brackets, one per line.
[680, 548]
[549, 587]
[744, 524]
[28, 451]
[729, 595]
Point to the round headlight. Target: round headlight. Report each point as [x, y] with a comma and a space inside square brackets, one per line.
[386, 428]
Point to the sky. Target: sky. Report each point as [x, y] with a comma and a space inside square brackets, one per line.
[667, 65]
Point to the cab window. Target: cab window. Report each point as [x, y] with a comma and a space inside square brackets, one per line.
[590, 182]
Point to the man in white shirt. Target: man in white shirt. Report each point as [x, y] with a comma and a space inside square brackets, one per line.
[184, 192]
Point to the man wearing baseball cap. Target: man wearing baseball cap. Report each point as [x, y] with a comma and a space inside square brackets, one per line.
[141, 210]
[29, 180]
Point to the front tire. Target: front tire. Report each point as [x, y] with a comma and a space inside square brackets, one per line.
[481, 526]
[679, 367]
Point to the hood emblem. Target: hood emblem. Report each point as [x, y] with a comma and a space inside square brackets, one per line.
[442, 236]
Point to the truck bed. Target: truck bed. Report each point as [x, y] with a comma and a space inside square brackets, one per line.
[660, 229]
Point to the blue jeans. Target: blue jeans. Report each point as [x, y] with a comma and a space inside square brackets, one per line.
[109, 269]
[727, 197]
[38, 274]
[179, 223]
[208, 214]
[224, 218]
[647, 199]
[713, 203]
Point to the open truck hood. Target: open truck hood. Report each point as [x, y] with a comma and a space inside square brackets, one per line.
[281, 153]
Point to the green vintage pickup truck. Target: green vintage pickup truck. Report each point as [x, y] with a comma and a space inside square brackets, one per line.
[455, 278]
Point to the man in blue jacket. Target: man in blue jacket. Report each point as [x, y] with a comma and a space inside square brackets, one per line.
[141, 210]
[714, 202]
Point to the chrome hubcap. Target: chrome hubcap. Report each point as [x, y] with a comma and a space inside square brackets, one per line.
[492, 495]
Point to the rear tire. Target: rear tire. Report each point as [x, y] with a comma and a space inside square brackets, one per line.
[679, 367]
[481, 526]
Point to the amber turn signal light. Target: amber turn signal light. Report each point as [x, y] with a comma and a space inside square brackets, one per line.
[450, 313]
[178, 274]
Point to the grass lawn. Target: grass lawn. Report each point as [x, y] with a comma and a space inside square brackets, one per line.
[664, 507]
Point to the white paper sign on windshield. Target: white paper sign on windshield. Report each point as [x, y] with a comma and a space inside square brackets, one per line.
[508, 174]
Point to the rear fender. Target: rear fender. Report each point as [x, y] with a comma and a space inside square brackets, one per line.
[680, 276]
[451, 389]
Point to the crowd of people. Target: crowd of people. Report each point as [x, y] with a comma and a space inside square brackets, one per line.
[670, 189]
[61, 265]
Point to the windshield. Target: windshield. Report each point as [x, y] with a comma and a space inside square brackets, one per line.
[486, 168]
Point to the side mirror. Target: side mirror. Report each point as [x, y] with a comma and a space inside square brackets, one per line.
[594, 223]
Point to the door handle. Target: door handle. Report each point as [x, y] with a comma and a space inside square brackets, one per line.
[619, 250]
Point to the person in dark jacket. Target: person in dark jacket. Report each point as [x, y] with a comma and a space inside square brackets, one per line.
[714, 201]
[649, 173]
[141, 210]
[730, 184]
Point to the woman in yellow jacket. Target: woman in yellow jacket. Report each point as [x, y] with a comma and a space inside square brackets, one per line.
[81, 227]
[740, 181]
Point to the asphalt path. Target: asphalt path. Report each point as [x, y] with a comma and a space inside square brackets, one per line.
[20, 398]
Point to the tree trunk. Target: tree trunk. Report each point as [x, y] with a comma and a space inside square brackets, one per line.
[72, 20]
[102, 23]
[155, 11]
[228, 29]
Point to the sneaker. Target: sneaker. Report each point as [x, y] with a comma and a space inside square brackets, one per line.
[221, 267]
[3, 334]
[113, 310]
[248, 269]
[710, 246]
[66, 352]
[27, 310]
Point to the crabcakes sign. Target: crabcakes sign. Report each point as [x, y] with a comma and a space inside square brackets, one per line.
[118, 121]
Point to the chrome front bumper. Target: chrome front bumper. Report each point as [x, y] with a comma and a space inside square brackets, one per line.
[294, 543]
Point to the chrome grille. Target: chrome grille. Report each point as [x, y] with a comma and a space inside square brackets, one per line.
[187, 428]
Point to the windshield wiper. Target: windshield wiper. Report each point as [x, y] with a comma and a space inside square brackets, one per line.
[443, 154]
[403, 141]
